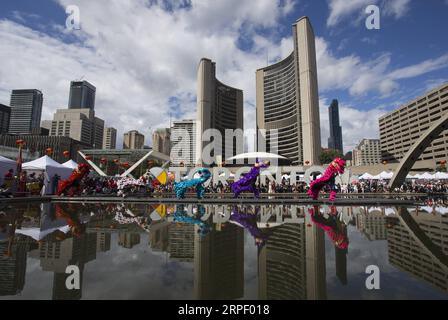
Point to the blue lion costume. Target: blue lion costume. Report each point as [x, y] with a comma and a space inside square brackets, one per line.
[181, 216]
[181, 187]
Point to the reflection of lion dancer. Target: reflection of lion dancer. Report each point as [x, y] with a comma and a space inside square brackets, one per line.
[248, 181]
[73, 183]
[249, 222]
[336, 231]
[70, 214]
[181, 187]
[328, 178]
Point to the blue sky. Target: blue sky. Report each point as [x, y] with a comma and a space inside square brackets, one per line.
[142, 55]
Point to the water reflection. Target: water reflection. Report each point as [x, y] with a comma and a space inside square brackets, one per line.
[284, 248]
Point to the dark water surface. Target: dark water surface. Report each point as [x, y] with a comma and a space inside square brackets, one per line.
[138, 251]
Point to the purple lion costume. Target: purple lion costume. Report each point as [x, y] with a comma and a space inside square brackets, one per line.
[248, 181]
[328, 178]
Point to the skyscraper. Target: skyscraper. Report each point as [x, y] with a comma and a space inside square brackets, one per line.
[110, 138]
[5, 114]
[26, 111]
[183, 139]
[335, 139]
[287, 100]
[219, 107]
[161, 140]
[78, 124]
[133, 140]
[82, 95]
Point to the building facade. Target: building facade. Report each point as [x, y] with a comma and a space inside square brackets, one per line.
[401, 128]
[335, 139]
[78, 124]
[161, 140]
[133, 140]
[82, 95]
[219, 107]
[183, 137]
[5, 114]
[110, 138]
[287, 100]
[367, 153]
[36, 144]
[26, 111]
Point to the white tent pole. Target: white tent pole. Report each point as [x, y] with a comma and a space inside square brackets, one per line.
[94, 166]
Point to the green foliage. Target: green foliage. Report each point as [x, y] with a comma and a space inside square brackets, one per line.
[327, 155]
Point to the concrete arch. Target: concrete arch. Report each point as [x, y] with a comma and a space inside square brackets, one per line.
[417, 149]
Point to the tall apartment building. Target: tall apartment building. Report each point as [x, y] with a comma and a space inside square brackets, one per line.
[161, 140]
[400, 128]
[110, 138]
[133, 140]
[183, 137]
[82, 95]
[335, 139]
[5, 114]
[26, 111]
[288, 102]
[367, 153]
[219, 107]
[78, 124]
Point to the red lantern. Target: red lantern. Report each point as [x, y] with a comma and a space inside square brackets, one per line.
[125, 165]
[103, 160]
[307, 162]
[20, 142]
[116, 160]
[49, 151]
[66, 153]
[88, 158]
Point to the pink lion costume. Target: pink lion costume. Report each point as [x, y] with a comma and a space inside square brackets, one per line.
[328, 178]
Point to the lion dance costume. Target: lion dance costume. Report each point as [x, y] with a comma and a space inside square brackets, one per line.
[335, 230]
[328, 178]
[181, 187]
[248, 181]
[73, 184]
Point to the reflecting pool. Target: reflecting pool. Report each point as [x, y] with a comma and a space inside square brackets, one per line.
[194, 251]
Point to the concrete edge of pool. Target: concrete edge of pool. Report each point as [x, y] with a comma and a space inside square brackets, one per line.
[351, 200]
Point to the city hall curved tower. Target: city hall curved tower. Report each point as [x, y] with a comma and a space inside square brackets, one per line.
[219, 107]
[288, 102]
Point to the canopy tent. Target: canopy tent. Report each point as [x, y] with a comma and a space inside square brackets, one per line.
[425, 176]
[5, 165]
[441, 175]
[365, 176]
[70, 164]
[50, 168]
[386, 175]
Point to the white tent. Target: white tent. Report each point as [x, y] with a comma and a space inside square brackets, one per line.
[50, 168]
[426, 176]
[386, 175]
[70, 164]
[441, 175]
[5, 165]
[365, 176]
[254, 155]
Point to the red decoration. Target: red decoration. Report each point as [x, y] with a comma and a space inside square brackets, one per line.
[116, 160]
[66, 153]
[103, 160]
[49, 151]
[88, 158]
[20, 142]
[307, 162]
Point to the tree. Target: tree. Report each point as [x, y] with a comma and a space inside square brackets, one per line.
[327, 155]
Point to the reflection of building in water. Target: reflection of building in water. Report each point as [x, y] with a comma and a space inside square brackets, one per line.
[181, 241]
[372, 224]
[158, 237]
[13, 268]
[57, 255]
[219, 264]
[128, 239]
[409, 253]
[103, 241]
[292, 263]
[341, 264]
